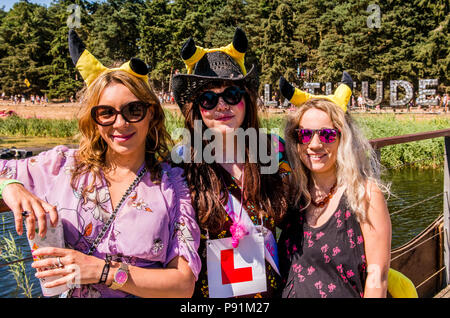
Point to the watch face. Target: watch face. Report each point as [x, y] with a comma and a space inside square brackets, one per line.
[121, 276]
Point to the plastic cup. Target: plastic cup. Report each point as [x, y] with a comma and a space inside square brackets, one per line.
[53, 238]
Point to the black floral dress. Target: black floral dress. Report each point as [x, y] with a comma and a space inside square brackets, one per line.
[324, 262]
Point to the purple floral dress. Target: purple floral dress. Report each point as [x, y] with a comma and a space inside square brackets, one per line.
[324, 262]
[155, 223]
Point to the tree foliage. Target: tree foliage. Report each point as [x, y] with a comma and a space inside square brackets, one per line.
[303, 40]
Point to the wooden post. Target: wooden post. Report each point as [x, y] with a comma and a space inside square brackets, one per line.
[447, 208]
[378, 154]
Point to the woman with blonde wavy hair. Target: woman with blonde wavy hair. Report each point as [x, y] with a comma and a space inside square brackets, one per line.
[129, 226]
[336, 238]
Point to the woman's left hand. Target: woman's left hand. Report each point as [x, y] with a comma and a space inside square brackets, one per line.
[74, 267]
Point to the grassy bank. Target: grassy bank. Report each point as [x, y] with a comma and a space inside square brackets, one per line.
[38, 127]
[423, 154]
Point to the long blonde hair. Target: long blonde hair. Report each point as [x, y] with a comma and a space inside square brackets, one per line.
[356, 164]
[90, 157]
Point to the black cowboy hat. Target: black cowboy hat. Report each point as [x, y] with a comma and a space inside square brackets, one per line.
[213, 66]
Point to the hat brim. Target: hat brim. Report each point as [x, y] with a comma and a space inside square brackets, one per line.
[186, 86]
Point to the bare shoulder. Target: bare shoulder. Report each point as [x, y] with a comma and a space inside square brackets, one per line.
[377, 212]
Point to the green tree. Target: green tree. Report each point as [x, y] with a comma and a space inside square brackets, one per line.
[64, 80]
[278, 54]
[25, 35]
[156, 29]
[113, 30]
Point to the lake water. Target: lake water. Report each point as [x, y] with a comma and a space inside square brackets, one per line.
[409, 186]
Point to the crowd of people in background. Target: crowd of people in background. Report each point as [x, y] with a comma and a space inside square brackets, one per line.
[442, 104]
[22, 99]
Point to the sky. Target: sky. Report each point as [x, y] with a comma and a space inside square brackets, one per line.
[8, 4]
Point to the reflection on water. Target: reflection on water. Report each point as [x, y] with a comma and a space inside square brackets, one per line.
[408, 186]
[411, 186]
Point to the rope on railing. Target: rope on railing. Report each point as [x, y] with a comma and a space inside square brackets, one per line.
[432, 275]
[417, 203]
[416, 246]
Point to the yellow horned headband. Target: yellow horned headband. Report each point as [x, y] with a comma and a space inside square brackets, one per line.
[90, 68]
[191, 53]
[340, 97]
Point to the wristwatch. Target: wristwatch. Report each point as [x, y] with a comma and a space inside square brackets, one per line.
[120, 277]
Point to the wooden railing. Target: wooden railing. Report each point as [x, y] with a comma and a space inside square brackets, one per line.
[377, 144]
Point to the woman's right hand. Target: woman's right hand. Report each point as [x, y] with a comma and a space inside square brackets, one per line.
[19, 200]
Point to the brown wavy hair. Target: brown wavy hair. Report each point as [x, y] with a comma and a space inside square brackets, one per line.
[90, 157]
[208, 191]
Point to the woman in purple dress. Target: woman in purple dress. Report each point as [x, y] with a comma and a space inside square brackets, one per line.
[336, 239]
[123, 208]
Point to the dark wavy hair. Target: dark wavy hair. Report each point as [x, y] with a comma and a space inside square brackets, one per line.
[208, 191]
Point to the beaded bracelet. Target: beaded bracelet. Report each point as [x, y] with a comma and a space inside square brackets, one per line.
[5, 183]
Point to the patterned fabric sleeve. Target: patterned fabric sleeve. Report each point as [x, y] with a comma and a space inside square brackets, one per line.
[36, 173]
[183, 228]
[283, 165]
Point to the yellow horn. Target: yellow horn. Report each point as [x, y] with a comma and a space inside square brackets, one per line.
[340, 97]
[89, 67]
[237, 56]
[190, 62]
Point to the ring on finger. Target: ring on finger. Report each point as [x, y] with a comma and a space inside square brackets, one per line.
[25, 213]
[60, 264]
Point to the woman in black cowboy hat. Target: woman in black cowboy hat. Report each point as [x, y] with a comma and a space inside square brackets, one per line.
[236, 193]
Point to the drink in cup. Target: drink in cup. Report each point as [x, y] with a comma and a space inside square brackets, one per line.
[53, 238]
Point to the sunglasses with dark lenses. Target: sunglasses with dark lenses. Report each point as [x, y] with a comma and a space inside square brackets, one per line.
[326, 135]
[231, 95]
[132, 112]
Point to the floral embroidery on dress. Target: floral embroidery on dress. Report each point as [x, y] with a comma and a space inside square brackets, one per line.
[139, 204]
[184, 235]
[88, 230]
[96, 202]
[8, 172]
[32, 161]
[157, 246]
